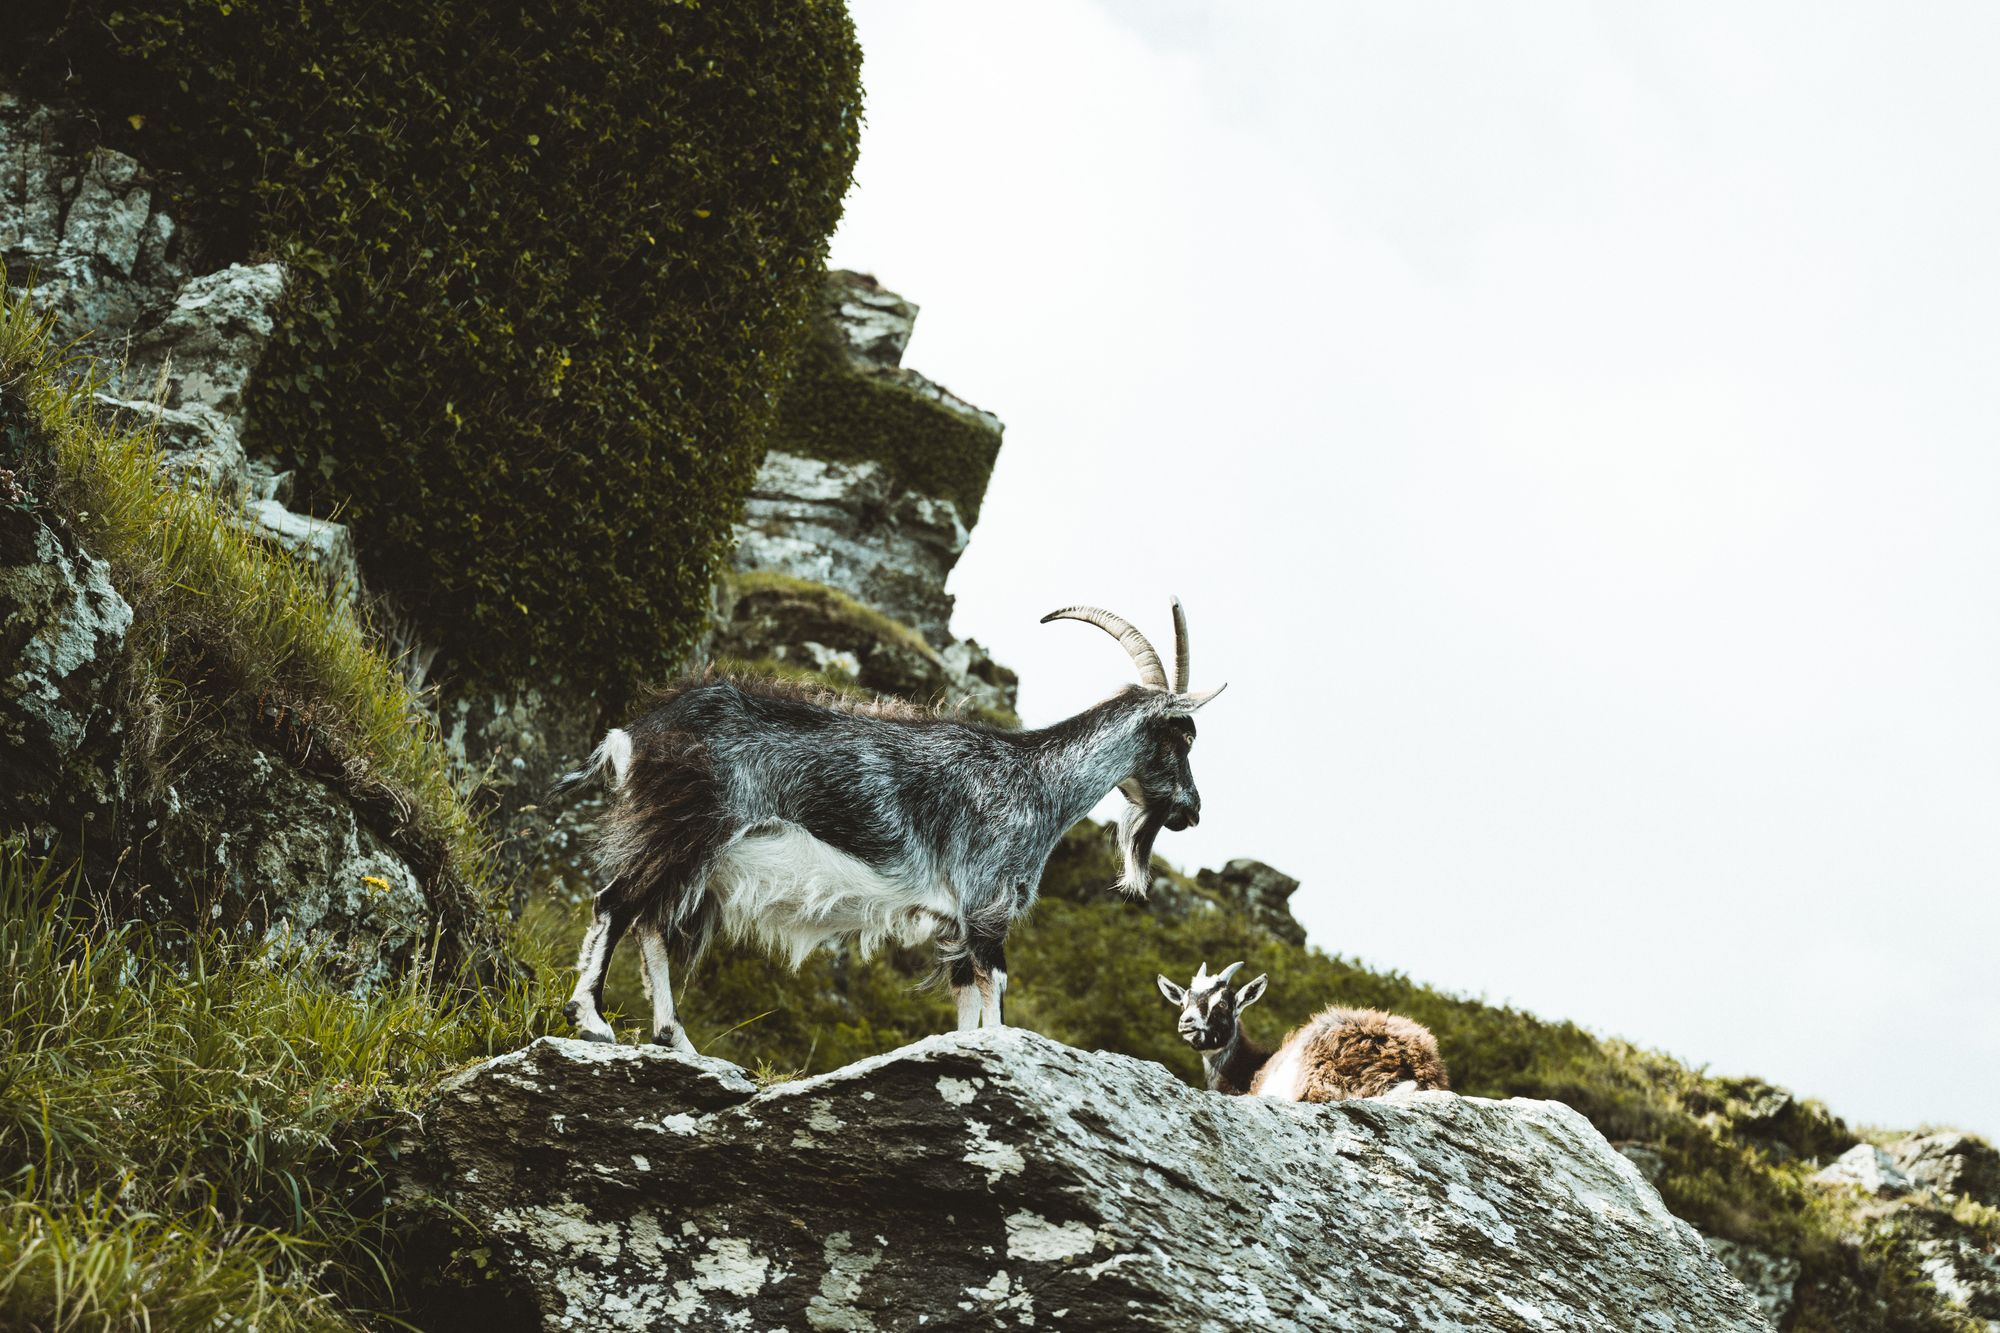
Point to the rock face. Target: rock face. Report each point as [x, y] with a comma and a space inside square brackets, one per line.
[1771, 1279]
[1953, 1164]
[997, 1179]
[279, 855]
[179, 348]
[83, 219]
[849, 527]
[1263, 892]
[841, 524]
[62, 636]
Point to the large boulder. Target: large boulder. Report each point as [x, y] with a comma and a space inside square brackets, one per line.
[998, 1179]
[259, 846]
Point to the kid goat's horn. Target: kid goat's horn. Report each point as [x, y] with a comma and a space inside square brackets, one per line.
[1151, 673]
[1226, 972]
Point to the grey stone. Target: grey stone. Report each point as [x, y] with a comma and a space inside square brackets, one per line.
[842, 524]
[997, 1179]
[1867, 1168]
[875, 321]
[1771, 1279]
[81, 221]
[207, 344]
[1262, 892]
[325, 545]
[265, 480]
[1950, 1163]
[511, 748]
[197, 446]
[108, 213]
[282, 857]
[62, 635]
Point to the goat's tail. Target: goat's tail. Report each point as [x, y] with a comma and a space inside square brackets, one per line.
[615, 749]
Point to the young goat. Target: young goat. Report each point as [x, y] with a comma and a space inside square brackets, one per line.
[800, 820]
[1337, 1053]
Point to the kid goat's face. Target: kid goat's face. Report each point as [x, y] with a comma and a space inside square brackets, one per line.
[1209, 1007]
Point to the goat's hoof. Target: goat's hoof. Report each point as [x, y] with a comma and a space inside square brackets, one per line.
[668, 1037]
[574, 1013]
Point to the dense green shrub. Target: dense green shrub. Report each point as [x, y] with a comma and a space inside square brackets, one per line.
[831, 410]
[554, 255]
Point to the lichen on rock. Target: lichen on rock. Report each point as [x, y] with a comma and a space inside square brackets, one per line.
[999, 1179]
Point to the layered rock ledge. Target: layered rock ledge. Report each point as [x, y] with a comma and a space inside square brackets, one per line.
[998, 1179]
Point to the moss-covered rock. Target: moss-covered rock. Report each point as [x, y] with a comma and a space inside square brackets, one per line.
[550, 259]
[193, 718]
[875, 474]
[851, 401]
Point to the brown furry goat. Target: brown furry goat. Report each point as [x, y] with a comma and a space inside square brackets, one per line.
[1336, 1054]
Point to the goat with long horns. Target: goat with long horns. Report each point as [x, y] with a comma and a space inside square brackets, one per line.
[799, 819]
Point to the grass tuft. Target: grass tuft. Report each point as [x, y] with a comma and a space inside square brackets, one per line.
[193, 1125]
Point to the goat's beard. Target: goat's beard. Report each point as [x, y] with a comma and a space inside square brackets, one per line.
[1137, 828]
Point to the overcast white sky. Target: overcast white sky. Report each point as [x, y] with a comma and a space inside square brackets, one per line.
[1572, 429]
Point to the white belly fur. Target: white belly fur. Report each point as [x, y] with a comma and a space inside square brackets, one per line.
[793, 893]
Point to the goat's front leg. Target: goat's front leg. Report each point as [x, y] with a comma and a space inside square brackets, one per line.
[990, 979]
[979, 984]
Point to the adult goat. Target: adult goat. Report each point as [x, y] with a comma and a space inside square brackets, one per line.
[797, 819]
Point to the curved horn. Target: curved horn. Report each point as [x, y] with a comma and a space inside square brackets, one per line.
[1201, 970]
[1180, 649]
[1151, 674]
[1225, 973]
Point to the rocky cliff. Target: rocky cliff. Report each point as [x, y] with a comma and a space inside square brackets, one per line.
[1001, 1180]
[840, 517]
[143, 728]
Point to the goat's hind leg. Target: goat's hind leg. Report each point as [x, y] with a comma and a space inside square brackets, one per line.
[667, 1030]
[593, 960]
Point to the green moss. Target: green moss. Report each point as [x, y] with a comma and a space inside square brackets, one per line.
[830, 604]
[552, 260]
[831, 410]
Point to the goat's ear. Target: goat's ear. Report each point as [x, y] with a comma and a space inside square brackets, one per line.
[1251, 991]
[1181, 705]
[1175, 994]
